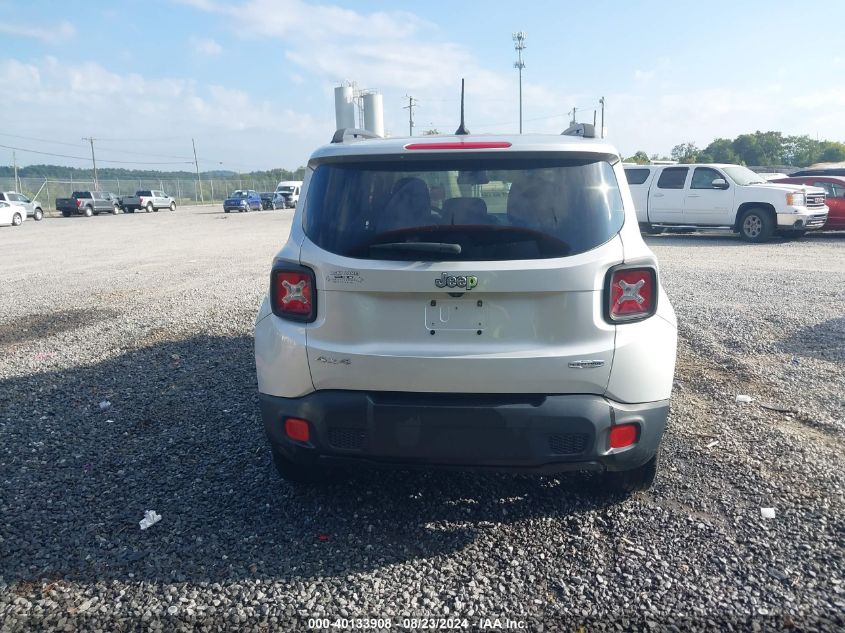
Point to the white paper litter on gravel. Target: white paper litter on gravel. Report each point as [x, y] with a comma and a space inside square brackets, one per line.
[151, 517]
[767, 513]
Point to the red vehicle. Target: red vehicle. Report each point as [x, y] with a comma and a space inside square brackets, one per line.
[834, 187]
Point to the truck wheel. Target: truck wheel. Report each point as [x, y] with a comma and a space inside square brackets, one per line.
[628, 481]
[756, 225]
[301, 474]
[65, 214]
[172, 206]
[17, 220]
[89, 211]
[225, 210]
[39, 214]
[150, 207]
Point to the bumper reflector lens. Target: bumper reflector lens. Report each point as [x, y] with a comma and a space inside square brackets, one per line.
[623, 435]
[297, 429]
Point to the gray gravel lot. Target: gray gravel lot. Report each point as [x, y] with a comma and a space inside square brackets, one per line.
[154, 314]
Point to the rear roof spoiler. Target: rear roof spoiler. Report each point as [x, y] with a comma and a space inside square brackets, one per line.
[351, 133]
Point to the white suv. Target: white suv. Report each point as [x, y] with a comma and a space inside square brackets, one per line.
[466, 302]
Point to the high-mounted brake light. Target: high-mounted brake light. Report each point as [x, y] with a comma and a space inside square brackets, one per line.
[631, 294]
[293, 294]
[460, 145]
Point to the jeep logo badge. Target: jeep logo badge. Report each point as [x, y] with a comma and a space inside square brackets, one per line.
[456, 281]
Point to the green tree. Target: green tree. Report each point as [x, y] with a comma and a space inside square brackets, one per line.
[685, 153]
[832, 152]
[719, 151]
[760, 148]
[801, 150]
[640, 158]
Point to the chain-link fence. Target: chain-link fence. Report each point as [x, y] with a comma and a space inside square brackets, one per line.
[46, 190]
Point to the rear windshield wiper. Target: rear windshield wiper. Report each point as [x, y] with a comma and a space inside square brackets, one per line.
[446, 248]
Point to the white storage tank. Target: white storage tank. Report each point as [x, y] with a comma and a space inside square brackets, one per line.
[374, 113]
[344, 107]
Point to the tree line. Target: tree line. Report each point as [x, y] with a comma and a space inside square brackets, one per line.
[758, 149]
[60, 172]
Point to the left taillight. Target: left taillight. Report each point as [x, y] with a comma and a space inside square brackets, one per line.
[293, 293]
[630, 294]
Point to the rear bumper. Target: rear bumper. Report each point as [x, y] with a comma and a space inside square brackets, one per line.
[523, 432]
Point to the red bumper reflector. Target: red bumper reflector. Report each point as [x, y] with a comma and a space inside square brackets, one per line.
[461, 145]
[297, 429]
[623, 435]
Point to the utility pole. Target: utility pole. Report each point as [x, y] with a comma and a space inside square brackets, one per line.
[519, 46]
[15, 163]
[594, 118]
[572, 112]
[601, 101]
[197, 165]
[410, 109]
[91, 140]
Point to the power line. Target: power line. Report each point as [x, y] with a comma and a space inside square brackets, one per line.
[121, 162]
[99, 140]
[41, 140]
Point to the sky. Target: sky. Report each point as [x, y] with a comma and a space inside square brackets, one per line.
[251, 81]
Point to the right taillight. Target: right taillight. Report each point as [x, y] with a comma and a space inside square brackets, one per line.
[293, 293]
[78, 202]
[631, 294]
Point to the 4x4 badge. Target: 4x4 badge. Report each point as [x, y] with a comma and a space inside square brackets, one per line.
[456, 281]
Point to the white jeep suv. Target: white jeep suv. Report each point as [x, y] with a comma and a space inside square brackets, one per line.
[466, 302]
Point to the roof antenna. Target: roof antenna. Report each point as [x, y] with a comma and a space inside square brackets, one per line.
[462, 130]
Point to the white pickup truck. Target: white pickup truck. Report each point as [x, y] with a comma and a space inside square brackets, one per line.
[148, 200]
[723, 196]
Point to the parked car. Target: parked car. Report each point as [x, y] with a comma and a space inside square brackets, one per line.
[32, 208]
[117, 203]
[87, 203]
[290, 190]
[834, 188]
[268, 200]
[819, 171]
[242, 200]
[149, 200]
[279, 200]
[717, 196]
[518, 325]
[11, 214]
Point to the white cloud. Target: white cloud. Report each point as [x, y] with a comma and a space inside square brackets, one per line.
[56, 35]
[64, 101]
[205, 47]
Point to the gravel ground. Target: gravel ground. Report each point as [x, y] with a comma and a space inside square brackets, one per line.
[153, 315]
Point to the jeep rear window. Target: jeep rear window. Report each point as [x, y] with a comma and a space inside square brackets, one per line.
[471, 209]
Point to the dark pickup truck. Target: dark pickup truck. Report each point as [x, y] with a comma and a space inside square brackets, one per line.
[88, 203]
